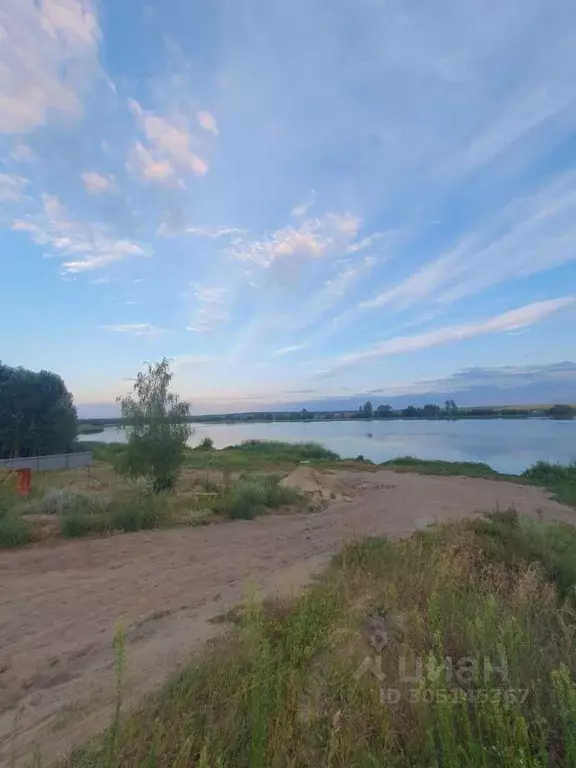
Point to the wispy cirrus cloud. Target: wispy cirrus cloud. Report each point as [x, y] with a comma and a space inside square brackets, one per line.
[139, 330]
[533, 234]
[12, 188]
[304, 207]
[211, 310]
[22, 153]
[515, 319]
[289, 350]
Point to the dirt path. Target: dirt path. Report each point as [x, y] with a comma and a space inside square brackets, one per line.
[60, 603]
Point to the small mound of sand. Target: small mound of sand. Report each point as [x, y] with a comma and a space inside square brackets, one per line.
[322, 484]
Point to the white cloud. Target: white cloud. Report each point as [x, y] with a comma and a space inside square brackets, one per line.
[96, 184]
[169, 152]
[508, 321]
[314, 238]
[211, 311]
[145, 166]
[144, 330]
[289, 350]
[302, 208]
[210, 295]
[214, 232]
[91, 245]
[208, 122]
[22, 154]
[532, 234]
[183, 361]
[365, 243]
[48, 55]
[12, 188]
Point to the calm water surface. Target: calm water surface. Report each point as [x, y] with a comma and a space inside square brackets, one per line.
[508, 445]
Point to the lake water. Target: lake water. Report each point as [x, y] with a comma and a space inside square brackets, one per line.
[508, 445]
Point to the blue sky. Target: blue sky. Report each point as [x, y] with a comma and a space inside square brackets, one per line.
[296, 200]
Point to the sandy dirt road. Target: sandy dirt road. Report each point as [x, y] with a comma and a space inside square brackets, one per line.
[60, 602]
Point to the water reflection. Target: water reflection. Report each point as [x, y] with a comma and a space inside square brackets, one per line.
[507, 445]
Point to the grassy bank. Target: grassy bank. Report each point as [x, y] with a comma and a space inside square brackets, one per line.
[73, 513]
[325, 680]
[558, 479]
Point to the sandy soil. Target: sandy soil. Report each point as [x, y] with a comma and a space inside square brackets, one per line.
[60, 601]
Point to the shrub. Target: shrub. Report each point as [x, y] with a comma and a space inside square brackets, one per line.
[244, 501]
[14, 530]
[62, 501]
[559, 479]
[253, 493]
[75, 525]
[206, 444]
[275, 449]
[142, 513]
[510, 539]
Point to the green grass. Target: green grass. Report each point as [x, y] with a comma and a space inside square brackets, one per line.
[14, 531]
[559, 479]
[429, 467]
[255, 455]
[251, 495]
[260, 455]
[285, 687]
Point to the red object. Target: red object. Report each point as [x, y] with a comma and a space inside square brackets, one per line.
[24, 481]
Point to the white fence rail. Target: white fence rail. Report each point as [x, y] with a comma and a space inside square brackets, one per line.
[50, 463]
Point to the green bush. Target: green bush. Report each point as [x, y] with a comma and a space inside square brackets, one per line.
[206, 444]
[253, 493]
[75, 525]
[559, 479]
[14, 530]
[275, 449]
[244, 501]
[548, 473]
[62, 501]
[510, 539]
[142, 513]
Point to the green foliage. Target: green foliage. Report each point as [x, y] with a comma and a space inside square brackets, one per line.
[509, 539]
[142, 513]
[550, 474]
[430, 467]
[206, 444]
[561, 412]
[252, 494]
[557, 478]
[37, 414]
[14, 530]
[157, 428]
[62, 501]
[275, 449]
[284, 687]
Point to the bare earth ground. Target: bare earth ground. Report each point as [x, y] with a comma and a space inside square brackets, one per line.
[60, 601]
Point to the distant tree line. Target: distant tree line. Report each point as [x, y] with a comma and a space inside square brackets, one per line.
[368, 411]
[428, 411]
[37, 413]
[452, 411]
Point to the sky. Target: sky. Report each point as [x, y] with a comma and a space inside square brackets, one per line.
[300, 202]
